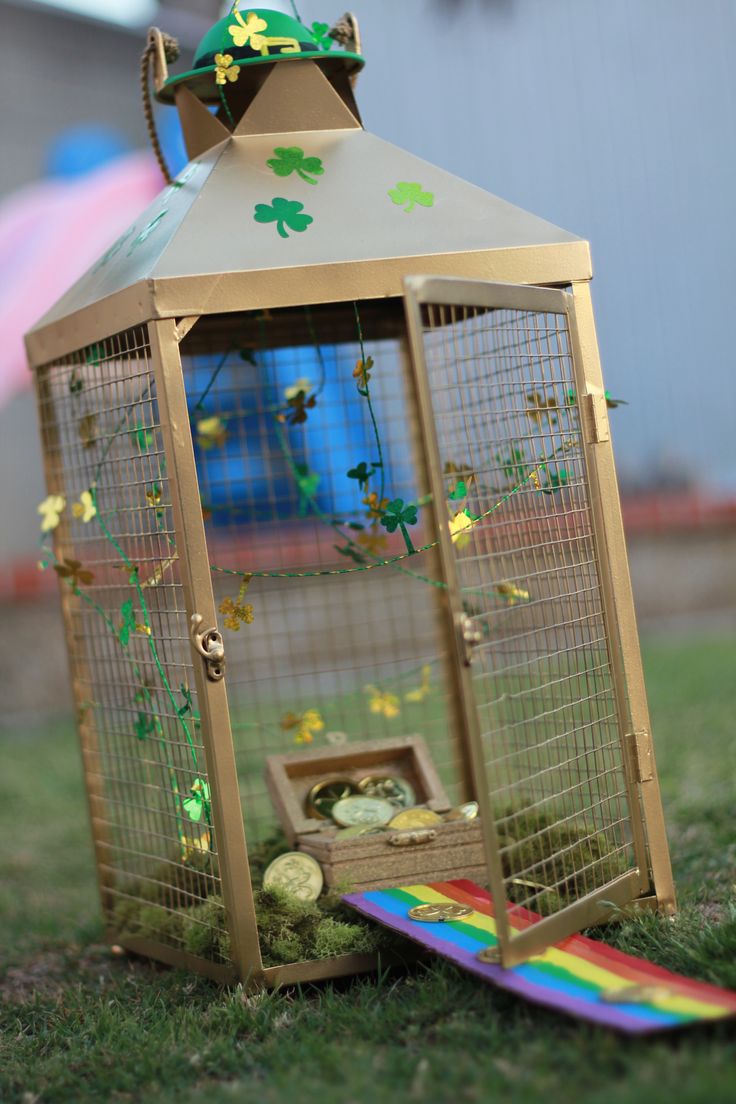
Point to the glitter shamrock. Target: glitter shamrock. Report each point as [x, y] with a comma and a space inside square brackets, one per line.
[557, 480]
[141, 437]
[85, 509]
[224, 69]
[144, 726]
[398, 515]
[153, 495]
[87, 429]
[372, 541]
[407, 194]
[307, 481]
[74, 572]
[291, 159]
[422, 691]
[248, 30]
[459, 525]
[362, 374]
[382, 703]
[284, 212]
[304, 725]
[237, 612]
[128, 625]
[513, 465]
[362, 473]
[302, 384]
[376, 509]
[191, 845]
[198, 805]
[50, 510]
[540, 408]
[298, 404]
[211, 432]
[511, 593]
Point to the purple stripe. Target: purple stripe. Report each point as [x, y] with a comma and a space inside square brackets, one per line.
[605, 1014]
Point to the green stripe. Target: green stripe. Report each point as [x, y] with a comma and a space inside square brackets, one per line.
[481, 937]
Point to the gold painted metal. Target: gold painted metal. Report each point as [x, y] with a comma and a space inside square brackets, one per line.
[413, 839]
[212, 696]
[461, 300]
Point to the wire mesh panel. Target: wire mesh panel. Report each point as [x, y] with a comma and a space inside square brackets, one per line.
[109, 513]
[517, 501]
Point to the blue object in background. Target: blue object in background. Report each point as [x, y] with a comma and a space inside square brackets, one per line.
[83, 148]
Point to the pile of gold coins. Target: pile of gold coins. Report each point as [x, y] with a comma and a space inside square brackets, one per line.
[374, 804]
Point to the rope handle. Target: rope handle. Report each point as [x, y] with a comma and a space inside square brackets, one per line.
[160, 49]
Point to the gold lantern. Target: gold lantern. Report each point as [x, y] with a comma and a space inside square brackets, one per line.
[330, 477]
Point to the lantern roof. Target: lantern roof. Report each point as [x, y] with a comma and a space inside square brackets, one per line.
[299, 204]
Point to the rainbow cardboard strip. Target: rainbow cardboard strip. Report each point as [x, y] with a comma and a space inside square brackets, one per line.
[579, 976]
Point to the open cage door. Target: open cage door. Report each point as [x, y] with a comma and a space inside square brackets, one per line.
[515, 428]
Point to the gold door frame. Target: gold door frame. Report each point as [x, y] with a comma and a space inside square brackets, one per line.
[652, 874]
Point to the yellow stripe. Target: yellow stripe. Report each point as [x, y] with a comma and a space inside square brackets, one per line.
[580, 967]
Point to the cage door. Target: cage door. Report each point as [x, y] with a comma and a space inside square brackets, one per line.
[508, 421]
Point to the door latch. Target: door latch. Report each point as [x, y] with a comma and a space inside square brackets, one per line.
[210, 646]
[468, 636]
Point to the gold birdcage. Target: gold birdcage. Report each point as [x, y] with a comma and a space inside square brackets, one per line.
[328, 460]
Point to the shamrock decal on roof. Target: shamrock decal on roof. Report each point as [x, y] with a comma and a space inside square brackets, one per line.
[291, 159]
[407, 194]
[284, 212]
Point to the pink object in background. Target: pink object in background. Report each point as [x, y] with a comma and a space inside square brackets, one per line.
[50, 234]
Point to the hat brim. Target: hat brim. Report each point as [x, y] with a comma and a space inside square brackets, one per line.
[201, 81]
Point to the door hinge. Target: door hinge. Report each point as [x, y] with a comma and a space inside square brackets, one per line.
[595, 418]
[469, 635]
[210, 646]
[639, 752]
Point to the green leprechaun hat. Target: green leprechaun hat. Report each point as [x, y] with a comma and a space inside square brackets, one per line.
[256, 36]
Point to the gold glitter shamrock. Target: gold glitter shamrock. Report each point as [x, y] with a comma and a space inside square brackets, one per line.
[88, 430]
[192, 844]
[153, 496]
[381, 702]
[74, 572]
[375, 509]
[211, 432]
[248, 30]
[85, 509]
[540, 408]
[304, 725]
[362, 374]
[459, 524]
[224, 69]
[511, 593]
[299, 404]
[237, 612]
[373, 541]
[422, 691]
[302, 384]
[50, 510]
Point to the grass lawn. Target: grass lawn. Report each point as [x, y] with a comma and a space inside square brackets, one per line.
[77, 1024]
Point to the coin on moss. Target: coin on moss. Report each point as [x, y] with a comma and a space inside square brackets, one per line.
[394, 789]
[417, 817]
[324, 794]
[467, 811]
[362, 810]
[296, 873]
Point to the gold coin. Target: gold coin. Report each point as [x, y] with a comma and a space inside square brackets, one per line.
[635, 994]
[467, 811]
[391, 787]
[439, 914]
[367, 811]
[323, 795]
[415, 818]
[296, 873]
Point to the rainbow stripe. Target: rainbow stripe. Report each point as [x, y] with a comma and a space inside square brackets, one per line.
[573, 976]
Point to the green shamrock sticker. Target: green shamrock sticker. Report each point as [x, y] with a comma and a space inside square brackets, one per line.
[291, 159]
[284, 212]
[407, 194]
[321, 33]
[198, 804]
[398, 515]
